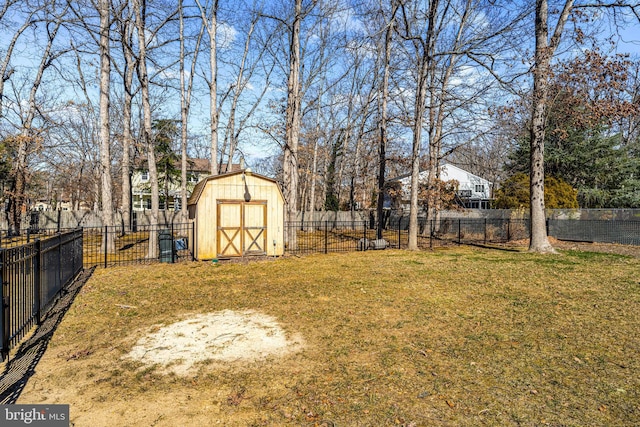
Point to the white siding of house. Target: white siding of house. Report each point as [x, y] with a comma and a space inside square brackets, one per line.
[467, 180]
[480, 188]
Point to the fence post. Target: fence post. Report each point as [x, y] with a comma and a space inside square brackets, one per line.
[431, 228]
[508, 229]
[485, 231]
[459, 230]
[193, 237]
[399, 222]
[60, 282]
[546, 224]
[173, 247]
[364, 237]
[37, 284]
[73, 251]
[105, 237]
[326, 236]
[4, 301]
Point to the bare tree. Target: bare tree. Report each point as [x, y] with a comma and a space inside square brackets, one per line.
[186, 87]
[546, 44]
[383, 112]
[143, 78]
[29, 136]
[5, 71]
[211, 23]
[105, 137]
[245, 69]
[545, 49]
[424, 48]
[125, 28]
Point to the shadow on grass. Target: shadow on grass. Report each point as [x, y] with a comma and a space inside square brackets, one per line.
[489, 246]
[23, 364]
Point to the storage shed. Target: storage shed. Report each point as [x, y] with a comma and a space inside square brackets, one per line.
[237, 214]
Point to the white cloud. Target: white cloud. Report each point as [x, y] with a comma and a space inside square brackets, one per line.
[225, 36]
[344, 20]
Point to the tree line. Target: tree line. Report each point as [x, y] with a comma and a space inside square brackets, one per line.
[333, 97]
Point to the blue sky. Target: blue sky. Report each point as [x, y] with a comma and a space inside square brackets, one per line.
[233, 17]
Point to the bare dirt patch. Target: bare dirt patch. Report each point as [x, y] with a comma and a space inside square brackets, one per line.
[225, 336]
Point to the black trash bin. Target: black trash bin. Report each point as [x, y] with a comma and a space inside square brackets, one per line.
[165, 241]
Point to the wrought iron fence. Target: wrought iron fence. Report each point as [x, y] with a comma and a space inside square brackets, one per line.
[327, 236]
[146, 245]
[449, 231]
[33, 275]
[337, 236]
[172, 243]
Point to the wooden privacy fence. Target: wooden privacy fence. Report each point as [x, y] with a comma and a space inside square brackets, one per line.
[33, 275]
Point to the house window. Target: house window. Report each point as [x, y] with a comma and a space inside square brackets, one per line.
[479, 188]
[145, 176]
[193, 178]
[148, 203]
[464, 193]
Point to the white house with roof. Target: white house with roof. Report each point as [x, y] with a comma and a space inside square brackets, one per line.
[474, 192]
[197, 169]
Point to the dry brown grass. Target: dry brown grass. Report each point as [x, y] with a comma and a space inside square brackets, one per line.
[459, 337]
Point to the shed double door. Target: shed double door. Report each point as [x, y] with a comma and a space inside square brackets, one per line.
[242, 228]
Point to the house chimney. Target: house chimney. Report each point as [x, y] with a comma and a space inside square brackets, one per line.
[241, 163]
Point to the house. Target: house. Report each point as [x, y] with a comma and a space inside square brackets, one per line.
[237, 214]
[169, 187]
[473, 192]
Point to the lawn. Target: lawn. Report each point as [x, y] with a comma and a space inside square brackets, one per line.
[459, 337]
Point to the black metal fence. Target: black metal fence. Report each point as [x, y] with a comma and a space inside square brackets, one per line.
[449, 231]
[33, 274]
[171, 243]
[327, 236]
[497, 230]
[146, 245]
[174, 242]
[337, 236]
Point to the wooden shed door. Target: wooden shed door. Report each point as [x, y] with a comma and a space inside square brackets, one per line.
[242, 228]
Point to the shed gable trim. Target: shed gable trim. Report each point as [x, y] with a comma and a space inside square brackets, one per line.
[199, 188]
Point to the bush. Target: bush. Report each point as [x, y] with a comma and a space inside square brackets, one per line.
[514, 193]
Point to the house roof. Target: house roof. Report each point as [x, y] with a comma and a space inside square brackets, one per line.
[199, 188]
[236, 167]
[448, 165]
[193, 164]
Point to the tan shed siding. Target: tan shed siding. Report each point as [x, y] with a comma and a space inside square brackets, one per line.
[232, 187]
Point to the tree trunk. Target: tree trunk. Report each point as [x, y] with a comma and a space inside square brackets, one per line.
[143, 78]
[539, 241]
[425, 59]
[292, 133]
[108, 242]
[212, 27]
[419, 109]
[127, 137]
[382, 148]
[213, 89]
